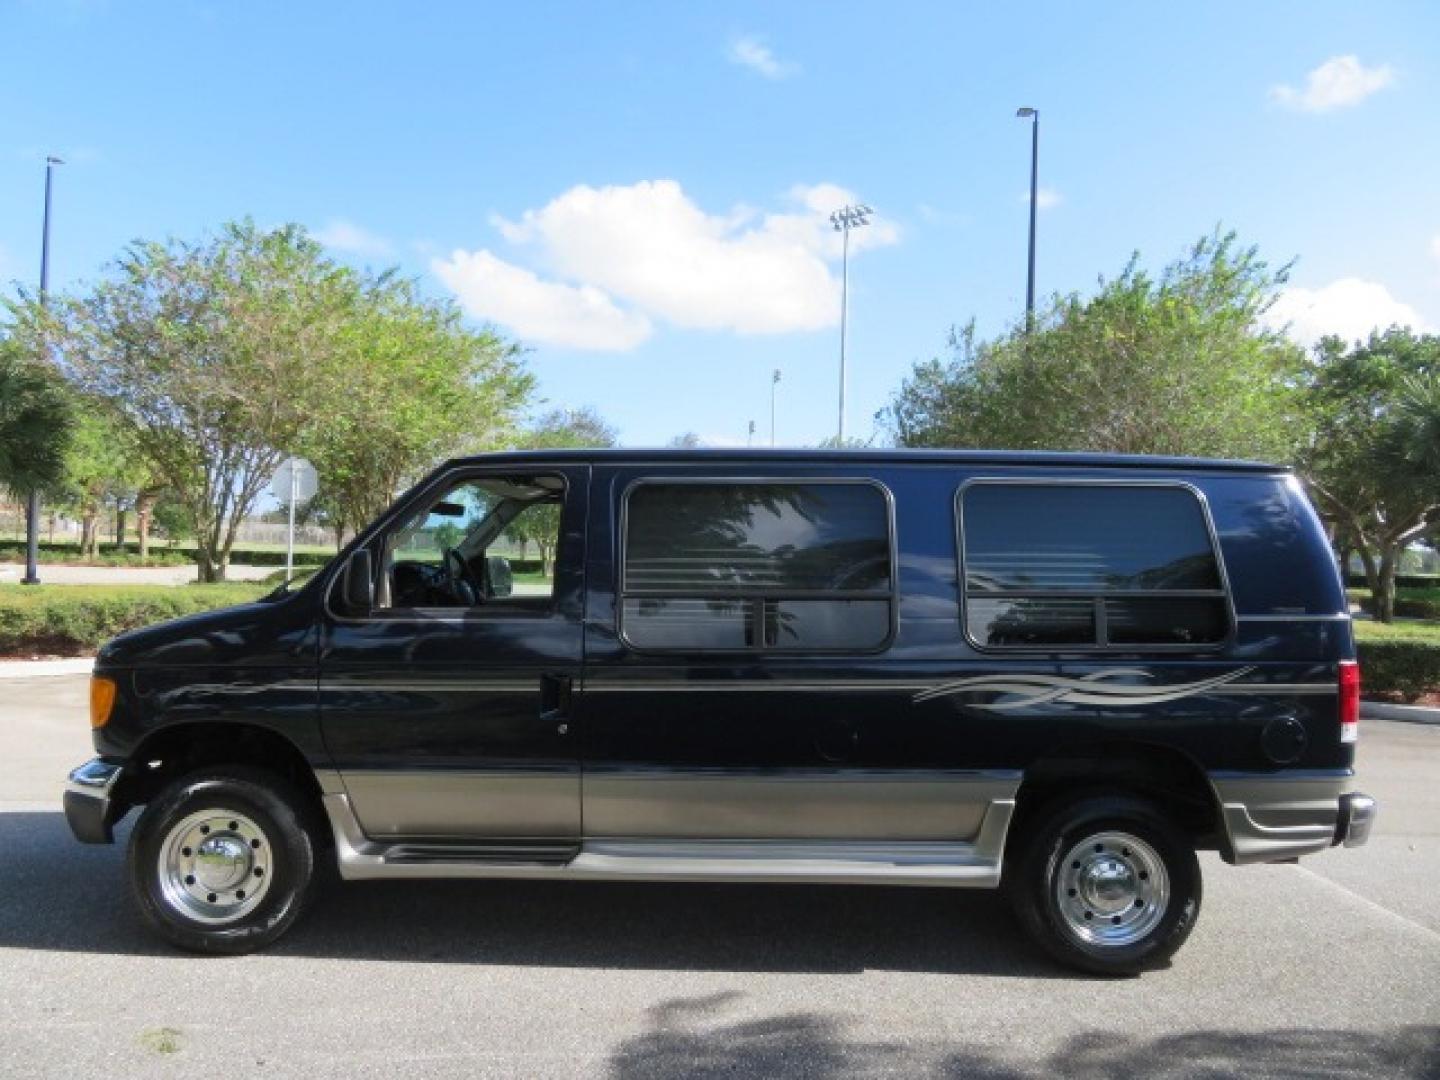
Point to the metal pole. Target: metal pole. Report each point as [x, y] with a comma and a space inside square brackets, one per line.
[32, 508]
[290, 536]
[774, 382]
[1034, 200]
[844, 304]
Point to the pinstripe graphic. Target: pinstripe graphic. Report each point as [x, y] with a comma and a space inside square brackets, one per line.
[1093, 689]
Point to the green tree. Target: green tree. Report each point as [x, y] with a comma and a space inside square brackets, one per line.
[100, 466]
[36, 417]
[209, 355]
[1374, 464]
[409, 387]
[1181, 363]
[558, 429]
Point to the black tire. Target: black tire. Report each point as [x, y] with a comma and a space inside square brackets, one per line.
[260, 799]
[1036, 878]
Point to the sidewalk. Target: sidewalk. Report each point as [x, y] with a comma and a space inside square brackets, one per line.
[38, 669]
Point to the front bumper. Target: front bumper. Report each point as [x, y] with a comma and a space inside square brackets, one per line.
[1278, 817]
[90, 806]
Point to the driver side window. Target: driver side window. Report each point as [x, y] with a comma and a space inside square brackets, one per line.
[484, 540]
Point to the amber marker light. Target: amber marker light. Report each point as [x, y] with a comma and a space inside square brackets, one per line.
[102, 700]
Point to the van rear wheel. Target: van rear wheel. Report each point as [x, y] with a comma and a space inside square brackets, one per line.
[221, 861]
[1106, 884]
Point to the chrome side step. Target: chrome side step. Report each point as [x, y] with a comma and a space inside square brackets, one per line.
[975, 863]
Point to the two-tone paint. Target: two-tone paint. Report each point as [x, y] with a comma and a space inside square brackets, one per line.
[507, 742]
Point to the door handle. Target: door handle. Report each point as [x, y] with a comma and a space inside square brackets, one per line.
[555, 701]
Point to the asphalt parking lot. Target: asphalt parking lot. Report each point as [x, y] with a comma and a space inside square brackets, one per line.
[1327, 969]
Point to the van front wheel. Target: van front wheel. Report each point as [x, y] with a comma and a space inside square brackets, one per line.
[221, 862]
[1106, 884]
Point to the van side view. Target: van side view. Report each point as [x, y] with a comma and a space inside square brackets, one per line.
[1059, 674]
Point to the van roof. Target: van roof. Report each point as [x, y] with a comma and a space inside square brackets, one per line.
[1047, 458]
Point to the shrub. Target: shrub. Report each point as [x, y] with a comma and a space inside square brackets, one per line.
[75, 619]
[1410, 603]
[1402, 658]
[1402, 581]
[160, 555]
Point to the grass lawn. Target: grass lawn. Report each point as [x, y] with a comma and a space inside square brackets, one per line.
[1421, 630]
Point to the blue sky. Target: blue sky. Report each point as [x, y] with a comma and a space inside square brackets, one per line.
[638, 192]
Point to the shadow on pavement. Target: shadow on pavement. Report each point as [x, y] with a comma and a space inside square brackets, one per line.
[693, 1037]
[61, 895]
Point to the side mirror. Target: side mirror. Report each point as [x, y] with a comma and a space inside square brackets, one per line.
[500, 577]
[357, 586]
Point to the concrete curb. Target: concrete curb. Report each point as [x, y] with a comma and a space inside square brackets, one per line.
[35, 669]
[1412, 714]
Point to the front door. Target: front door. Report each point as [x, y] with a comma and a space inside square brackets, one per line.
[445, 707]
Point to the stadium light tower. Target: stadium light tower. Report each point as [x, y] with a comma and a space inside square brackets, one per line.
[845, 219]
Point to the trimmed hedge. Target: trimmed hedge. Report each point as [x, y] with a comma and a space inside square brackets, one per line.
[1402, 581]
[160, 555]
[1401, 658]
[105, 555]
[78, 619]
[1410, 603]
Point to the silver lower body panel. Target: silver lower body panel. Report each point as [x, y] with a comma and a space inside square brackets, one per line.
[974, 862]
[1276, 817]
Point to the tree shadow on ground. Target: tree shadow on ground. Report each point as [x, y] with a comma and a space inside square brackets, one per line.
[702, 1037]
[65, 896]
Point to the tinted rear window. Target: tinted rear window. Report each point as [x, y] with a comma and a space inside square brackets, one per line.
[1089, 565]
[1085, 537]
[727, 538]
[735, 565]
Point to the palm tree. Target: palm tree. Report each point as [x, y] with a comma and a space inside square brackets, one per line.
[35, 422]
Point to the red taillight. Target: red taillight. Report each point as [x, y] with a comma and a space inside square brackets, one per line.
[1349, 700]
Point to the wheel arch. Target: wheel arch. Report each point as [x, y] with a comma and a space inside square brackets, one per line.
[1156, 772]
[176, 749]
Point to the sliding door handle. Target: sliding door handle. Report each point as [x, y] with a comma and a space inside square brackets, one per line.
[555, 701]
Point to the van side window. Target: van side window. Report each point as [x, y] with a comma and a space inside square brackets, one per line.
[480, 542]
[752, 565]
[1087, 565]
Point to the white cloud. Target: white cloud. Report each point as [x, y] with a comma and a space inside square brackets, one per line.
[346, 236]
[934, 215]
[756, 55]
[544, 312]
[1435, 246]
[1349, 308]
[1339, 82]
[649, 246]
[1045, 198]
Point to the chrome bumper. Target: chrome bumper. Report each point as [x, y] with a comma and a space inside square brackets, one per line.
[1357, 814]
[90, 807]
[1275, 817]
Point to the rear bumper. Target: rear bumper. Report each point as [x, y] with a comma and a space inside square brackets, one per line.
[90, 807]
[1357, 814]
[1275, 817]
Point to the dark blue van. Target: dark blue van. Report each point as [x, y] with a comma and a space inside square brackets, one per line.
[1060, 674]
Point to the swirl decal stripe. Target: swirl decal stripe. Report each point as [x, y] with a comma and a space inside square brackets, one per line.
[1094, 689]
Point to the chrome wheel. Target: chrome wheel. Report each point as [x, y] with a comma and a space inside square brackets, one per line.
[215, 866]
[1111, 889]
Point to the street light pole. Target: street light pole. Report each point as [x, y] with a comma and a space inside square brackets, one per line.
[774, 382]
[32, 508]
[1034, 116]
[845, 219]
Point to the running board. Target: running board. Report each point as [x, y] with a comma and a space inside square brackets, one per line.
[975, 863]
